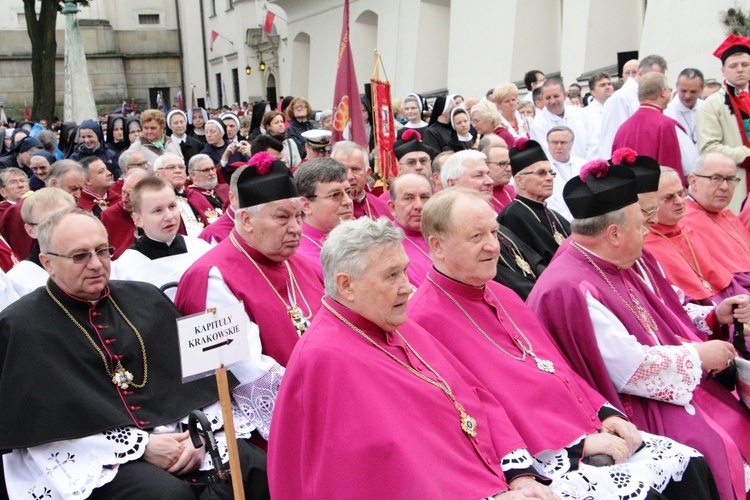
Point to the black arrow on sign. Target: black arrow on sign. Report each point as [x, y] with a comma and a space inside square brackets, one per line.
[215, 346]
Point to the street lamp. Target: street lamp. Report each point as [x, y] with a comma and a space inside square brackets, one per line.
[248, 69]
[262, 66]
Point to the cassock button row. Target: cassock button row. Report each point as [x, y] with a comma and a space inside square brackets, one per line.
[109, 341]
[580, 400]
[135, 408]
[143, 422]
[127, 393]
[95, 314]
[117, 356]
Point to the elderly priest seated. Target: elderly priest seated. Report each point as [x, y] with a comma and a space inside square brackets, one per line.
[91, 391]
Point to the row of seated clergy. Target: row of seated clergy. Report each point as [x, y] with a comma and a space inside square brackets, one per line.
[362, 329]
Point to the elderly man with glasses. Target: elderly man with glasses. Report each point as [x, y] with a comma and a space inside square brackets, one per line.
[711, 186]
[104, 397]
[205, 193]
[528, 216]
[171, 168]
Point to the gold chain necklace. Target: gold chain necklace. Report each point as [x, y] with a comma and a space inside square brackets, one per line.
[544, 365]
[516, 252]
[507, 195]
[695, 266]
[557, 235]
[644, 318]
[312, 241]
[299, 320]
[406, 238]
[120, 376]
[468, 424]
[650, 277]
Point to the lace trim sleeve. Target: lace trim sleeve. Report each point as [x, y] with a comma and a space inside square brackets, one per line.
[667, 373]
[698, 315]
[256, 399]
[72, 468]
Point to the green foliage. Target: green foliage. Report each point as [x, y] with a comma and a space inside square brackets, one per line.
[736, 20]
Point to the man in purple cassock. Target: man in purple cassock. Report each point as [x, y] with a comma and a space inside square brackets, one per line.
[624, 341]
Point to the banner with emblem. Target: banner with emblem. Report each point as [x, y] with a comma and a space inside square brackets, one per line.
[385, 133]
[348, 123]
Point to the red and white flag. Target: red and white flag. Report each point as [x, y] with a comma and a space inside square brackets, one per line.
[180, 103]
[268, 23]
[214, 36]
[348, 123]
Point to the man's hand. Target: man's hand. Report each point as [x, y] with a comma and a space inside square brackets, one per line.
[724, 312]
[715, 354]
[625, 430]
[191, 457]
[607, 444]
[174, 453]
[526, 487]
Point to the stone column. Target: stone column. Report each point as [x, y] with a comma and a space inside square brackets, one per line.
[79, 102]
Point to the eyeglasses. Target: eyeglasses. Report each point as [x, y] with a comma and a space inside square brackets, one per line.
[559, 143]
[336, 196]
[105, 253]
[142, 164]
[17, 182]
[205, 170]
[173, 167]
[718, 180]
[412, 162]
[501, 164]
[299, 107]
[672, 197]
[542, 172]
[649, 213]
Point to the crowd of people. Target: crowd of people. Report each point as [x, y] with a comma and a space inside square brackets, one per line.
[546, 302]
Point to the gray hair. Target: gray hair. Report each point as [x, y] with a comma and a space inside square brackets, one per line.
[437, 215]
[198, 158]
[453, 168]
[11, 170]
[125, 159]
[648, 61]
[699, 166]
[594, 226]
[349, 248]
[347, 148]
[46, 198]
[48, 139]
[562, 128]
[159, 160]
[60, 168]
[46, 228]
[316, 171]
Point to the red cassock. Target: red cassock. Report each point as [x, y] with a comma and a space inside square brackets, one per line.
[12, 229]
[120, 228]
[351, 422]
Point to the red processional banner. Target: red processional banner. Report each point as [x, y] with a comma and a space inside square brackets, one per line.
[385, 133]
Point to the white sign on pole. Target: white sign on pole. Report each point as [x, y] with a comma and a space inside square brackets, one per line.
[211, 339]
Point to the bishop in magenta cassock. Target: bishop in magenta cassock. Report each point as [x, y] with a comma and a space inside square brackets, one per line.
[409, 193]
[256, 264]
[492, 332]
[350, 376]
[624, 341]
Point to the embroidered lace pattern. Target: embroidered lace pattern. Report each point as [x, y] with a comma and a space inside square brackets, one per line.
[667, 373]
[698, 315]
[658, 462]
[74, 468]
[256, 399]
